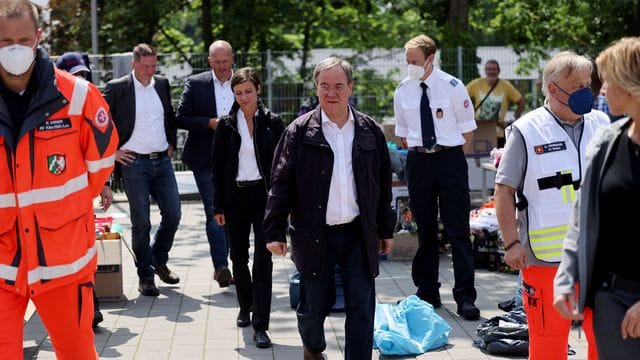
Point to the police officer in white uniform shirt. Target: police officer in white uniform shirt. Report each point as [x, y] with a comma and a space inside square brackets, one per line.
[434, 119]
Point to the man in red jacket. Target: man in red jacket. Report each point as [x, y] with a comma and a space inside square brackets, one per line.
[57, 149]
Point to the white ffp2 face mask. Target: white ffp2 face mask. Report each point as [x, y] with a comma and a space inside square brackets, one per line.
[16, 59]
[415, 72]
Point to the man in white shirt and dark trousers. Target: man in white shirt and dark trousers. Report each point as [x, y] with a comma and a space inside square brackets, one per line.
[332, 173]
[207, 97]
[435, 120]
[140, 104]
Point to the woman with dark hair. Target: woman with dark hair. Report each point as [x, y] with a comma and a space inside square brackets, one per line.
[243, 148]
[601, 247]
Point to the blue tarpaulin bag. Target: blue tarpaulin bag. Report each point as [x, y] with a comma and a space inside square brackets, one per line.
[410, 327]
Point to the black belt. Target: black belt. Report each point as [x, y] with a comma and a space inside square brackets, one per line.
[248, 183]
[153, 155]
[557, 181]
[616, 282]
[434, 149]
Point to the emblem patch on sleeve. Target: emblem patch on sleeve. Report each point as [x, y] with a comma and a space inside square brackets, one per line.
[101, 118]
[551, 147]
[453, 82]
[466, 104]
[56, 163]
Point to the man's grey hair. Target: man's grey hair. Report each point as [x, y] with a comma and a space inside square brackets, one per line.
[563, 65]
[331, 62]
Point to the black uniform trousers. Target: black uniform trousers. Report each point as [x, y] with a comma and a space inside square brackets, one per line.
[252, 288]
[440, 181]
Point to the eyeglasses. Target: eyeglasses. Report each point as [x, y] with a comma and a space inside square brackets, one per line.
[325, 88]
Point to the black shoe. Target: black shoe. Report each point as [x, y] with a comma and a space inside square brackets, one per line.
[507, 305]
[166, 275]
[148, 288]
[435, 302]
[308, 355]
[244, 319]
[262, 339]
[97, 318]
[468, 311]
[223, 277]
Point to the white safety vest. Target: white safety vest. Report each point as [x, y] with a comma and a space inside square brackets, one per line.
[553, 174]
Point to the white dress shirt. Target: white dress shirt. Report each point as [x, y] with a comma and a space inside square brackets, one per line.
[224, 95]
[450, 104]
[247, 162]
[148, 131]
[342, 206]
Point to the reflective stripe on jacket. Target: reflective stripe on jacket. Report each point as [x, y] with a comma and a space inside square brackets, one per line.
[64, 154]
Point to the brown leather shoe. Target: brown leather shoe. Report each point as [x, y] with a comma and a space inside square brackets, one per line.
[223, 277]
[166, 275]
[308, 355]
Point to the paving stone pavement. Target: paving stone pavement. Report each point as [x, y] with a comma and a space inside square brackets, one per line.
[195, 319]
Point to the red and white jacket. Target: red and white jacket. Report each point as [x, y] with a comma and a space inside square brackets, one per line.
[49, 177]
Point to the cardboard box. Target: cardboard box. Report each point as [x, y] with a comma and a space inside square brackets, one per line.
[109, 274]
[405, 245]
[484, 139]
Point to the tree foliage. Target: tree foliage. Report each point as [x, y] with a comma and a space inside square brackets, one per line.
[533, 27]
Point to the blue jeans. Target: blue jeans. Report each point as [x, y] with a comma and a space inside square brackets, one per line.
[218, 245]
[143, 178]
[345, 247]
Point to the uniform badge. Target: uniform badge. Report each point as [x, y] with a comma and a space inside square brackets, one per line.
[57, 163]
[466, 104]
[439, 113]
[453, 82]
[101, 118]
[538, 149]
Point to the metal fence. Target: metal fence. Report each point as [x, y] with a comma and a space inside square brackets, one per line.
[287, 81]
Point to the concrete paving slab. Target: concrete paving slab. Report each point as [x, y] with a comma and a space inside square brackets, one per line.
[195, 319]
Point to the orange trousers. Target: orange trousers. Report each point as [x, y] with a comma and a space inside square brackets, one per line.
[548, 331]
[66, 312]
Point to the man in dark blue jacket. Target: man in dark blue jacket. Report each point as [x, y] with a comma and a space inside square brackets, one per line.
[206, 97]
[332, 173]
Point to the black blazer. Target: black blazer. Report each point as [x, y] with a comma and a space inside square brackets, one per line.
[268, 127]
[197, 106]
[121, 97]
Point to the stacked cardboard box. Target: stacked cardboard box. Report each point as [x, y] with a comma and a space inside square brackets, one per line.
[109, 274]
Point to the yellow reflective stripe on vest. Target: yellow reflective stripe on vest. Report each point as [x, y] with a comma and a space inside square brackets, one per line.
[97, 165]
[53, 193]
[8, 272]
[80, 89]
[7, 200]
[568, 193]
[546, 243]
[58, 271]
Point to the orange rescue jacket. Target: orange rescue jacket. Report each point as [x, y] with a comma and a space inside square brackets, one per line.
[49, 177]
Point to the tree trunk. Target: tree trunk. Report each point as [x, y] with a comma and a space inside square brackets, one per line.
[458, 20]
[205, 20]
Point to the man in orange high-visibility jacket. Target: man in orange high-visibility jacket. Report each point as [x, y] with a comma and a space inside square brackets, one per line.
[57, 149]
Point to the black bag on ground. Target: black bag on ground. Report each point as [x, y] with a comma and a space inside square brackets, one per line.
[506, 334]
